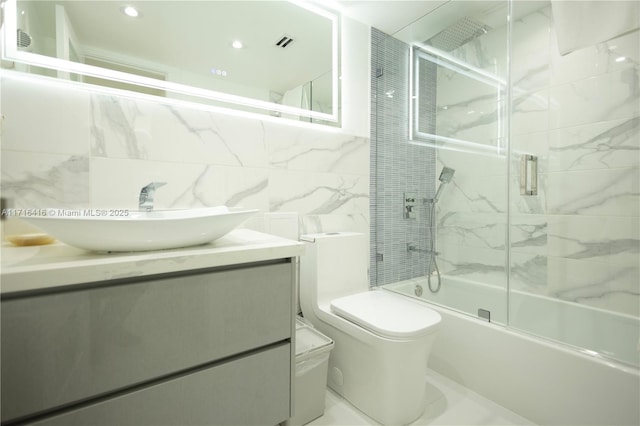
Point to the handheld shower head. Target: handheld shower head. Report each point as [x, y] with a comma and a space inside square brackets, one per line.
[446, 174]
[445, 177]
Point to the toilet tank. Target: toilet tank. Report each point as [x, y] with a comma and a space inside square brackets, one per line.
[335, 263]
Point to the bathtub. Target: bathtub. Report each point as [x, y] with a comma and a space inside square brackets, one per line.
[547, 382]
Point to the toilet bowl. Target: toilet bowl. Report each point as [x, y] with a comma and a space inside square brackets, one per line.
[382, 340]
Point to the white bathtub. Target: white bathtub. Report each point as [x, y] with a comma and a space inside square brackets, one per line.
[546, 382]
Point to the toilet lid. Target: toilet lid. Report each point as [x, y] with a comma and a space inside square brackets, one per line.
[387, 314]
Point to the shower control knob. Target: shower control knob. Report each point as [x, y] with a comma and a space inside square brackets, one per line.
[409, 205]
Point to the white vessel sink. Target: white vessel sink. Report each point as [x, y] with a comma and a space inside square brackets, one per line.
[139, 230]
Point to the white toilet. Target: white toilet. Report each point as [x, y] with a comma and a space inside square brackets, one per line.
[382, 340]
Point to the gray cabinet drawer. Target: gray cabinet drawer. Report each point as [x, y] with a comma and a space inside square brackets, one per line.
[253, 390]
[61, 348]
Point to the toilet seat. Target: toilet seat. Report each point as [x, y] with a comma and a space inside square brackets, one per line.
[386, 314]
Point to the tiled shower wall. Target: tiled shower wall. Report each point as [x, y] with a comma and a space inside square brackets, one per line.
[66, 146]
[578, 240]
[397, 168]
[580, 114]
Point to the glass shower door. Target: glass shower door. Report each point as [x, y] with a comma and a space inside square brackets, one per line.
[575, 243]
[537, 219]
[462, 114]
[439, 190]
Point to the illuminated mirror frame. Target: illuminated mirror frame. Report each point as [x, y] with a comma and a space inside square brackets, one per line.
[421, 51]
[11, 52]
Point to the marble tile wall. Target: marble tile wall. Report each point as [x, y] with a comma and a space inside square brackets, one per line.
[65, 146]
[578, 240]
[587, 136]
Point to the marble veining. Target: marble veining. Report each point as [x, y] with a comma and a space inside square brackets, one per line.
[476, 268]
[608, 192]
[193, 191]
[599, 98]
[577, 239]
[613, 284]
[237, 198]
[486, 231]
[45, 180]
[597, 249]
[529, 273]
[530, 236]
[528, 80]
[338, 154]
[330, 198]
[603, 148]
[476, 202]
[111, 111]
[207, 158]
[202, 131]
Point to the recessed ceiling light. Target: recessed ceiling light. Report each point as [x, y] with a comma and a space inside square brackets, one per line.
[131, 11]
[621, 58]
[237, 44]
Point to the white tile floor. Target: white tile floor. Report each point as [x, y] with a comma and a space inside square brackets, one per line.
[448, 403]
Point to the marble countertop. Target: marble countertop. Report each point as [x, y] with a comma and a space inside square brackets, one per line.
[56, 265]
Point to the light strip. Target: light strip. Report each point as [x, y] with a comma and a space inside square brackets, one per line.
[110, 91]
[453, 60]
[467, 71]
[435, 56]
[90, 70]
[334, 48]
[10, 34]
[335, 91]
[457, 144]
[413, 94]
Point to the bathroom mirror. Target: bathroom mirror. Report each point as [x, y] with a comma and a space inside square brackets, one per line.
[274, 57]
[456, 105]
[459, 60]
[458, 78]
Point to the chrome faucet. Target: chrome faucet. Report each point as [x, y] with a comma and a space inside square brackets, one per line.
[145, 202]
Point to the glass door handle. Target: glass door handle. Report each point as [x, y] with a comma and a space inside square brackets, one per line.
[528, 175]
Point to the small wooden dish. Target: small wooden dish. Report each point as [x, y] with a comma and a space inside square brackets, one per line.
[30, 239]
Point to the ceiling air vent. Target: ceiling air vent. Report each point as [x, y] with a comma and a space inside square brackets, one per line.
[284, 41]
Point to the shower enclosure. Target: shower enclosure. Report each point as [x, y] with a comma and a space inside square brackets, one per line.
[538, 229]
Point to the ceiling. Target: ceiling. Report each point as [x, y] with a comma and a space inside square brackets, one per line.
[389, 16]
[418, 20]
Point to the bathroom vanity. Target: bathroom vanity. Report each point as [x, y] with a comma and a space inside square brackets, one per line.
[199, 335]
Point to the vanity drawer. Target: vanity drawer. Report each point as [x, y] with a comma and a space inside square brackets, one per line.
[253, 390]
[61, 348]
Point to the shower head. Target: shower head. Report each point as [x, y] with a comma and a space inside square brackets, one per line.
[446, 174]
[445, 177]
[460, 33]
[24, 39]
